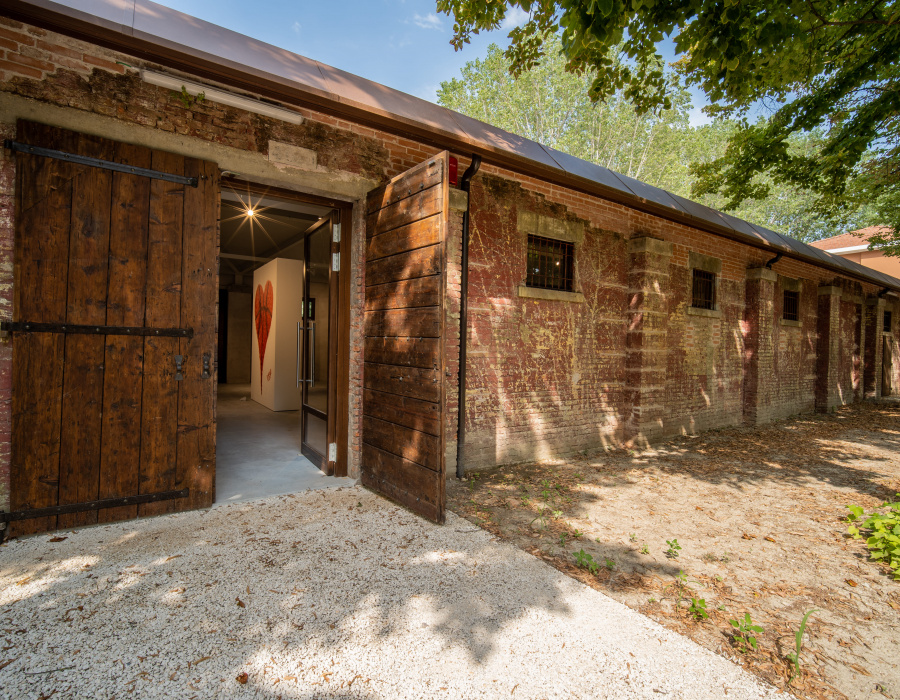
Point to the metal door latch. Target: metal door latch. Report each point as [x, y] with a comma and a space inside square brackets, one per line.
[179, 360]
[205, 373]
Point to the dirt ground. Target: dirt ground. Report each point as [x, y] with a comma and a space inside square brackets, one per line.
[760, 517]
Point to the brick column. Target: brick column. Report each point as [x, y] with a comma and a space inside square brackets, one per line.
[828, 345]
[645, 341]
[759, 342]
[873, 315]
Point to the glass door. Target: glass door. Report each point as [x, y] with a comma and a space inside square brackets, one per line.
[313, 335]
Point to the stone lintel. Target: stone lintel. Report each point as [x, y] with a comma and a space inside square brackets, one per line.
[830, 291]
[531, 223]
[459, 199]
[707, 263]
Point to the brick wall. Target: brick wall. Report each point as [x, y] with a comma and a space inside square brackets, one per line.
[545, 378]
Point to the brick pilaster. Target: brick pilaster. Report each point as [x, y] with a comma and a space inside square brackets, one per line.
[645, 342]
[873, 315]
[828, 346]
[759, 347]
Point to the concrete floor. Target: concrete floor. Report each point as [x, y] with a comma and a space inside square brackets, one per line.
[258, 451]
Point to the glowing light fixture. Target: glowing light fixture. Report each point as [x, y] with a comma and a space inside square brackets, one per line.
[221, 96]
[250, 212]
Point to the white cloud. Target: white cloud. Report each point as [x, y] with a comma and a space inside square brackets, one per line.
[429, 21]
[296, 27]
[515, 17]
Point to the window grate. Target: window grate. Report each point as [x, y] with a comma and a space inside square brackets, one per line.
[704, 290]
[551, 264]
[888, 320]
[791, 310]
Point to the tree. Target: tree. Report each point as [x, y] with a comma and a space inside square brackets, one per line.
[823, 73]
[550, 105]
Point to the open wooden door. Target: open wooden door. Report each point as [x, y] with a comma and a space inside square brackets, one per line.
[113, 332]
[887, 365]
[403, 400]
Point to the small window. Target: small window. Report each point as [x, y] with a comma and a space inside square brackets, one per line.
[704, 290]
[791, 309]
[551, 264]
[887, 321]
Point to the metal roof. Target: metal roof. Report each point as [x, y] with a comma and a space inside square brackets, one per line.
[154, 32]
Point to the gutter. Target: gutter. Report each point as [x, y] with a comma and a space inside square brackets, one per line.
[464, 185]
[121, 37]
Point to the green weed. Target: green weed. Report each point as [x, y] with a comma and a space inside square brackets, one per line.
[586, 561]
[794, 656]
[698, 609]
[744, 633]
[883, 530]
[674, 548]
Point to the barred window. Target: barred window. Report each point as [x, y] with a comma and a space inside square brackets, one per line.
[791, 309]
[551, 264]
[704, 290]
[887, 321]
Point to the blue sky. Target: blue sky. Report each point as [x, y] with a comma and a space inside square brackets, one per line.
[403, 44]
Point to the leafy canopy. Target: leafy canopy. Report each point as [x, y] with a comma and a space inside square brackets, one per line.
[823, 67]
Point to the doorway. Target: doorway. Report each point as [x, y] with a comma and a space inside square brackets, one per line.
[279, 414]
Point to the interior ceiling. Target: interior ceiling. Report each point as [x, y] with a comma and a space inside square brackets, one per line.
[275, 230]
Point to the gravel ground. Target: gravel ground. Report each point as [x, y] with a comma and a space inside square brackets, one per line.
[335, 594]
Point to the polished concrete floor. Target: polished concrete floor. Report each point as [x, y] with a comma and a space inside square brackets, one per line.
[258, 451]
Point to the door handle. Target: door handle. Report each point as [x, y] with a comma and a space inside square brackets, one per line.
[312, 356]
[179, 361]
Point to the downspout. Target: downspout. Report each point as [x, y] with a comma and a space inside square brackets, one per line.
[464, 184]
[773, 261]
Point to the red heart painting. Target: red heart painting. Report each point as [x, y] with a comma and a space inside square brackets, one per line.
[264, 307]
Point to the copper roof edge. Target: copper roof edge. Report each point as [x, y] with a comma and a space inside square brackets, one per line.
[121, 37]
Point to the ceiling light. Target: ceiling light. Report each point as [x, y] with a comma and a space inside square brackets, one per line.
[250, 212]
[221, 96]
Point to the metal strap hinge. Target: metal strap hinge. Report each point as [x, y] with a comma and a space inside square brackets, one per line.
[17, 147]
[332, 452]
[336, 233]
[336, 262]
[69, 328]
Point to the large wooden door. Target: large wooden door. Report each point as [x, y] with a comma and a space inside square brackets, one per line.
[105, 415]
[887, 365]
[404, 395]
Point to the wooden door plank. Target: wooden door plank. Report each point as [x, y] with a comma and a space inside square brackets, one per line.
[424, 416]
[40, 275]
[80, 445]
[405, 212]
[424, 291]
[417, 323]
[404, 352]
[416, 383]
[422, 177]
[419, 234]
[196, 447]
[405, 482]
[122, 386]
[159, 406]
[413, 445]
[416, 263]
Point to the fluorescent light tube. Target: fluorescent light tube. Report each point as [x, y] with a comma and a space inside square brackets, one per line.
[221, 96]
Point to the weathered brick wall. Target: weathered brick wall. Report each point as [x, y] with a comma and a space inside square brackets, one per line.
[545, 378]
[7, 228]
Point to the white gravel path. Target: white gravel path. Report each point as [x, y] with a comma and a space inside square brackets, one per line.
[313, 596]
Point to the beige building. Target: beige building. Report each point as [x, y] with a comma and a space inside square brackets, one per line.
[855, 246]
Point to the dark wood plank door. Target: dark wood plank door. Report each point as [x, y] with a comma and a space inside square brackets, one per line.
[404, 392]
[887, 365]
[102, 416]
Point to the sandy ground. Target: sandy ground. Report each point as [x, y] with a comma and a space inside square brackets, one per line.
[327, 594]
[759, 516]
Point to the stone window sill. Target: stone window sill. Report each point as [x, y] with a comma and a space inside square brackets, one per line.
[708, 313]
[549, 294]
[792, 324]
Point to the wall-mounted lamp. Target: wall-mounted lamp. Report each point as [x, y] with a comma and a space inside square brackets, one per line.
[221, 96]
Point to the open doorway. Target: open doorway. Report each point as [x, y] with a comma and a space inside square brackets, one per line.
[277, 410]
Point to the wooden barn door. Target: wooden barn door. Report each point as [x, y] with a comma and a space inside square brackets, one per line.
[120, 269]
[887, 365]
[403, 401]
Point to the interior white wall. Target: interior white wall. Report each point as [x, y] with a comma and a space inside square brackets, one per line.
[278, 391]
